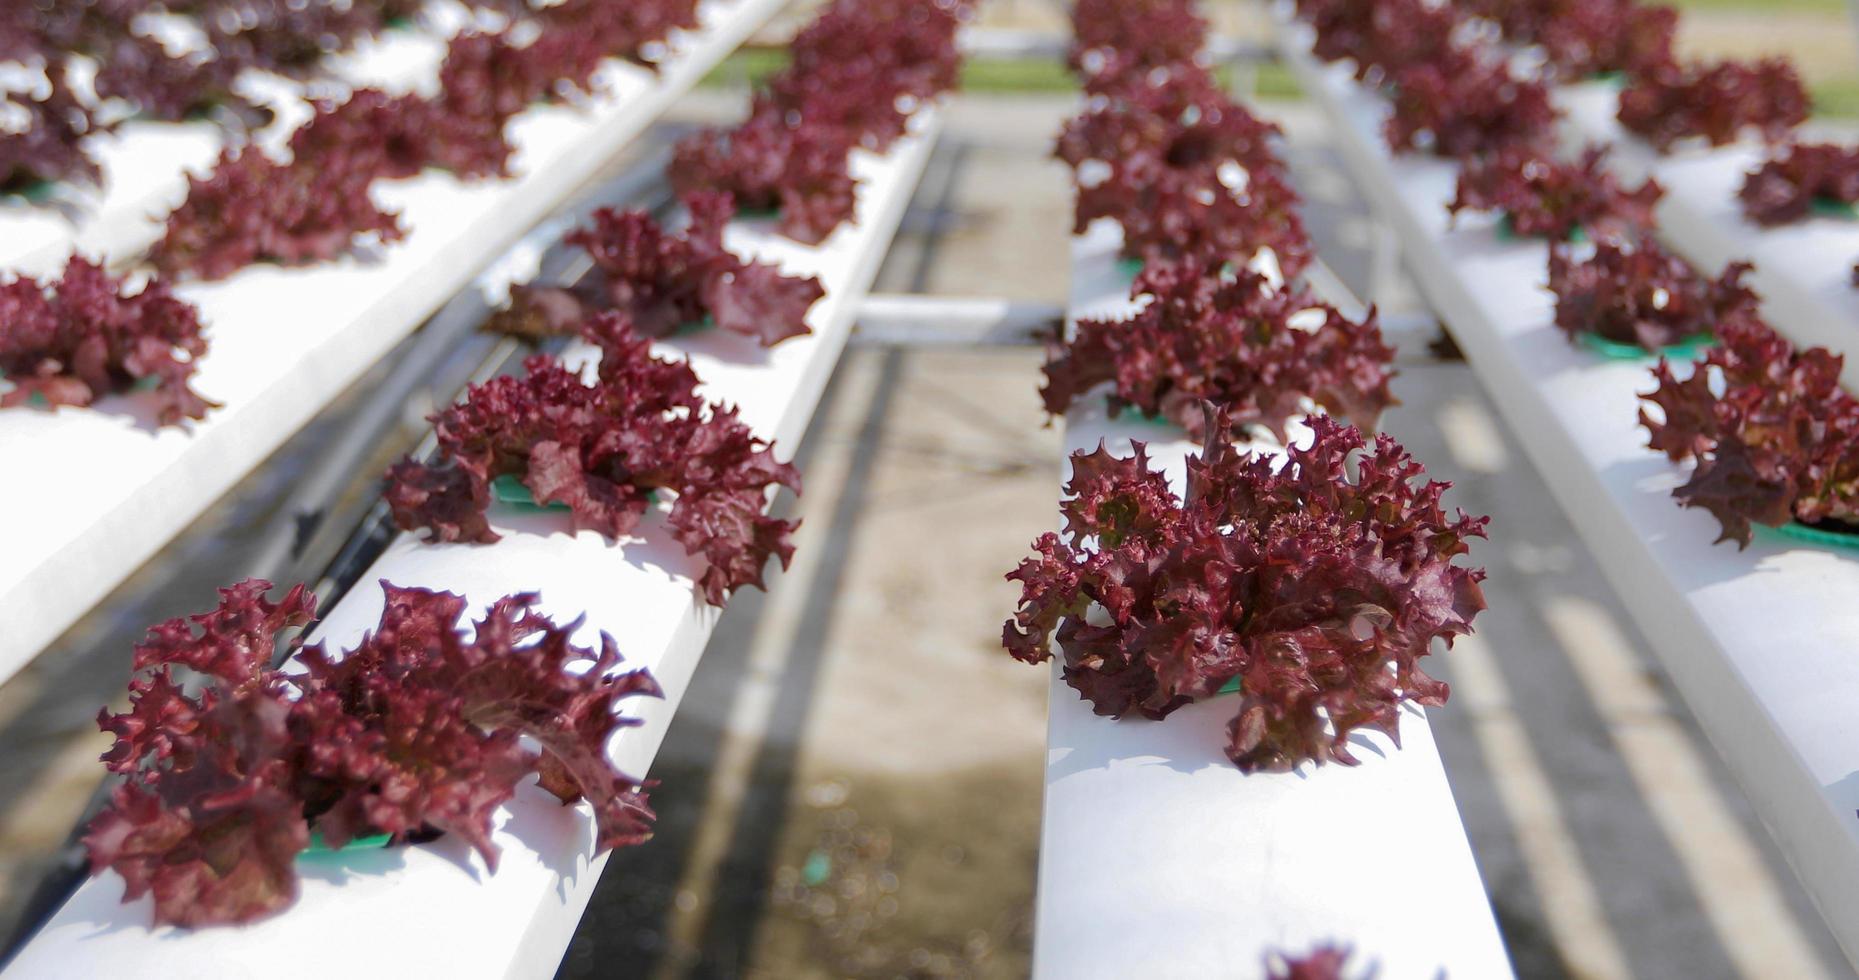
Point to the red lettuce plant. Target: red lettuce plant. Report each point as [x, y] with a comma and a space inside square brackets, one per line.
[1522, 21]
[577, 35]
[767, 163]
[857, 74]
[1783, 190]
[1123, 38]
[601, 448]
[864, 67]
[1465, 108]
[1635, 292]
[396, 137]
[1586, 37]
[1384, 35]
[1318, 591]
[1714, 103]
[85, 336]
[486, 76]
[1325, 961]
[1545, 197]
[1598, 36]
[484, 82]
[253, 209]
[1230, 340]
[1773, 435]
[170, 87]
[1187, 174]
[46, 145]
[128, 64]
[662, 282]
[288, 37]
[420, 729]
[370, 132]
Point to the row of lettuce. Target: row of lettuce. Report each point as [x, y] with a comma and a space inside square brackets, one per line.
[240, 749]
[99, 64]
[1772, 436]
[87, 336]
[1308, 571]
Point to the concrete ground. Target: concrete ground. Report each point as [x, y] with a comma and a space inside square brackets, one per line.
[852, 788]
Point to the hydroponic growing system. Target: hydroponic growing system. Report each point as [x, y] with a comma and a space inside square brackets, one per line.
[221, 214]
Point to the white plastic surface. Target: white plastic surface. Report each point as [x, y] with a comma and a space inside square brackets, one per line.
[1159, 859]
[1804, 271]
[93, 493]
[1761, 643]
[433, 910]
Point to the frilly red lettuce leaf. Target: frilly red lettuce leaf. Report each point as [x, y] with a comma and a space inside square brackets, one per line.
[288, 37]
[1715, 103]
[1383, 36]
[1230, 340]
[1320, 591]
[864, 67]
[768, 164]
[1325, 961]
[44, 141]
[1466, 108]
[1187, 173]
[857, 73]
[577, 35]
[394, 137]
[1772, 434]
[662, 282]
[486, 75]
[1115, 40]
[1635, 292]
[252, 209]
[420, 729]
[601, 448]
[373, 722]
[1545, 197]
[85, 336]
[207, 820]
[1587, 37]
[1783, 190]
[173, 87]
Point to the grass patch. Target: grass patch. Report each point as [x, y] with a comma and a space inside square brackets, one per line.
[1836, 98]
[746, 66]
[984, 75]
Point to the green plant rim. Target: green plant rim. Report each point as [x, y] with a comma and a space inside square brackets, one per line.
[1230, 687]
[1828, 207]
[1130, 268]
[509, 490]
[1132, 412]
[1614, 350]
[38, 400]
[1507, 232]
[372, 842]
[37, 192]
[695, 326]
[1813, 535]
